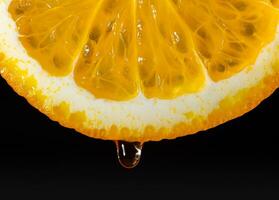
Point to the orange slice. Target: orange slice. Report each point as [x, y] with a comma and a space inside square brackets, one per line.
[140, 70]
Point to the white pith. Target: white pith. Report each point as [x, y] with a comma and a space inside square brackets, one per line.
[137, 113]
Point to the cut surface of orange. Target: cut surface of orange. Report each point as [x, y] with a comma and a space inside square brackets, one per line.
[144, 69]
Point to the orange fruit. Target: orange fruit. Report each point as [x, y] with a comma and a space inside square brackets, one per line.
[140, 70]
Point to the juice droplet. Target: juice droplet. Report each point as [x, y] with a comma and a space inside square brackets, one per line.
[129, 153]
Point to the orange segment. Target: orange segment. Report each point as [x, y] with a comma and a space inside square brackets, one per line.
[107, 65]
[228, 34]
[117, 48]
[52, 31]
[168, 64]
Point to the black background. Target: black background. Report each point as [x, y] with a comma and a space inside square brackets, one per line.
[237, 160]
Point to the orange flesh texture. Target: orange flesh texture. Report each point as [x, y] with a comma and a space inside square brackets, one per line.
[117, 48]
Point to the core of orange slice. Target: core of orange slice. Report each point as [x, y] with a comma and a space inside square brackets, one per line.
[144, 69]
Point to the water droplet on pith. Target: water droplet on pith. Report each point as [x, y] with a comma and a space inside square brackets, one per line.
[129, 153]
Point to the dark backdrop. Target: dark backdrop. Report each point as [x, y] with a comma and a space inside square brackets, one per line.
[238, 159]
